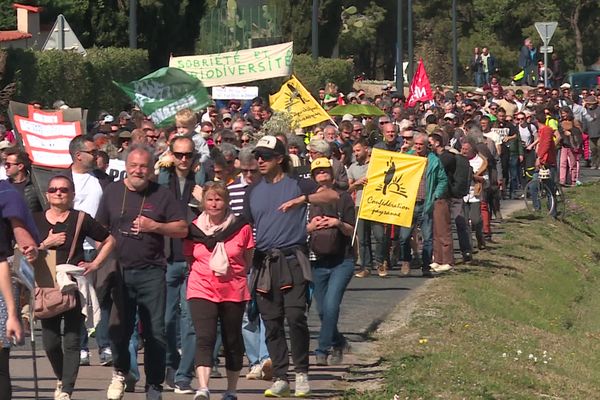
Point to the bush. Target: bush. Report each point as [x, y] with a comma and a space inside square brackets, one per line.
[81, 81]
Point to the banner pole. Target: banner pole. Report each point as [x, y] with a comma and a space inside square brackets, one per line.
[355, 228]
[33, 350]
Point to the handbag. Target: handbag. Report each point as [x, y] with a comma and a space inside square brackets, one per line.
[327, 241]
[51, 301]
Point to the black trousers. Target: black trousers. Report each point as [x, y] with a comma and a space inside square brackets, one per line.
[63, 352]
[5, 388]
[289, 304]
[205, 315]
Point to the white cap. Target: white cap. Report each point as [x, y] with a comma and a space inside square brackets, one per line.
[565, 86]
[348, 117]
[449, 116]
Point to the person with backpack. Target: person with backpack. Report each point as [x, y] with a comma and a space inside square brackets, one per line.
[449, 208]
[330, 228]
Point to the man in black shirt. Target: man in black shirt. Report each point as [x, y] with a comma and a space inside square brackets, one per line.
[140, 213]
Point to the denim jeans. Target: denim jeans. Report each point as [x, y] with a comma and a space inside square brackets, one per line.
[178, 308]
[425, 221]
[254, 337]
[330, 285]
[363, 233]
[134, 341]
[145, 290]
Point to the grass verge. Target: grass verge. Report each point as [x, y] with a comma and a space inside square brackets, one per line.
[523, 323]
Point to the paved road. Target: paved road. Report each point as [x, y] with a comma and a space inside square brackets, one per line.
[367, 302]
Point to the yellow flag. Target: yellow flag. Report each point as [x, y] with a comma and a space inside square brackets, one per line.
[392, 184]
[295, 99]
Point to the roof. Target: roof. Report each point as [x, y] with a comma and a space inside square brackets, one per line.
[9, 36]
[33, 9]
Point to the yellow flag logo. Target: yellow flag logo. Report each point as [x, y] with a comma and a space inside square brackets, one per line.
[392, 183]
[295, 99]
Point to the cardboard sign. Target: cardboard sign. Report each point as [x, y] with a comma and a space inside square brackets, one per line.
[238, 66]
[234, 92]
[116, 169]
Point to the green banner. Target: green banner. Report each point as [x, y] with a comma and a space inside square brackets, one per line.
[164, 92]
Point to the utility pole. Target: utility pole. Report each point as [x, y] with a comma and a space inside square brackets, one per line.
[454, 49]
[399, 50]
[133, 24]
[411, 55]
[315, 30]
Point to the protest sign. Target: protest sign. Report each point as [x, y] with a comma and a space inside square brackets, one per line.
[164, 92]
[392, 184]
[234, 92]
[296, 100]
[420, 88]
[238, 66]
[46, 134]
[116, 169]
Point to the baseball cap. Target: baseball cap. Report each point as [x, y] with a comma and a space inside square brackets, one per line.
[125, 135]
[270, 144]
[226, 116]
[5, 144]
[449, 116]
[565, 86]
[124, 115]
[320, 162]
[348, 117]
[108, 118]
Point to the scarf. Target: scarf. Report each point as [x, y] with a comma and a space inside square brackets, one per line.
[218, 262]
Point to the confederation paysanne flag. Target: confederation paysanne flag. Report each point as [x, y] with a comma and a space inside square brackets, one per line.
[420, 88]
[296, 100]
[392, 184]
[164, 92]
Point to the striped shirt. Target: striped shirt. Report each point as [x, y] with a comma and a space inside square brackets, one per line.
[237, 191]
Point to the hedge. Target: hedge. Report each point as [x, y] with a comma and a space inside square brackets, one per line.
[86, 81]
[81, 81]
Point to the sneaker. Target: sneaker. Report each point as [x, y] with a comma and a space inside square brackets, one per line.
[84, 358]
[267, 369]
[337, 356]
[154, 392]
[302, 386]
[63, 396]
[229, 396]
[434, 266]
[255, 372]
[321, 359]
[130, 382]
[382, 270]
[183, 387]
[106, 359]
[279, 388]
[405, 269]
[170, 378]
[214, 372]
[202, 394]
[363, 273]
[467, 257]
[116, 389]
[441, 268]
[58, 389]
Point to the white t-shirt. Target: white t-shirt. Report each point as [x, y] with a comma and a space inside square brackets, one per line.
[3, 173]
[87, 198]
[475, 163]
[527, 136]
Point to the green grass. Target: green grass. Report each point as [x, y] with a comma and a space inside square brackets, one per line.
[537, 293]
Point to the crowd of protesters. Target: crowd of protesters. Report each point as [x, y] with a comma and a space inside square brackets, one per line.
[220, 229]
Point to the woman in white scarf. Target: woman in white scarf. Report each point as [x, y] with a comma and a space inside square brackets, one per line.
[219, 251]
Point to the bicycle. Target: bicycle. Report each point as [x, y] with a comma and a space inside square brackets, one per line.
[542, 193]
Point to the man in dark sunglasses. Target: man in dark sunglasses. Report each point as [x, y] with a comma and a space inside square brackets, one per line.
[276, 205]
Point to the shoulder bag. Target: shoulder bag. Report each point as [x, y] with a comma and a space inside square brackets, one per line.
[51, 301]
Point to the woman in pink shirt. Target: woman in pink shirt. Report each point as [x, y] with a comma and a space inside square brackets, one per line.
[219, 251]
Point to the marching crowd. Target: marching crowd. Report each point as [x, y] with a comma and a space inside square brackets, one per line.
[220, 231]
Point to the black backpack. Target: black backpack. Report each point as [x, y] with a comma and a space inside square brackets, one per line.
[463, 173]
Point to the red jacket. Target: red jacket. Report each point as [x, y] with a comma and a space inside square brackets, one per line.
[546, 150]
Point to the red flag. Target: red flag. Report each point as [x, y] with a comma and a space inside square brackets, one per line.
[420, 88]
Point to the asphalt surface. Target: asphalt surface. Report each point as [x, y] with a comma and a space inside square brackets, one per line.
[367, 302]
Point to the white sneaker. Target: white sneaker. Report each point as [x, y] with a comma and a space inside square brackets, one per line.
[154, 393]
[443, 268]
[255, 372]
[116, 389]
[84, 357]
[58, 389]
[302, 386]
[202, 394]
[63, 396]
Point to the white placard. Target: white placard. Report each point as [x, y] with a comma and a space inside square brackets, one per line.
[234, 92]
[116, 169]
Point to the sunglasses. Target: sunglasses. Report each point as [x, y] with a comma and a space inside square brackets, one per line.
[264, 156]
[93, 153]
[383, 122]
[245, 141]
[519, 119]
[249, 171]
[178, 155]
[9, 164]
[63, 190]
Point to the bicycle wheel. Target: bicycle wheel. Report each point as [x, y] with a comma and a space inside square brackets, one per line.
[538, 197]
[560, 203]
